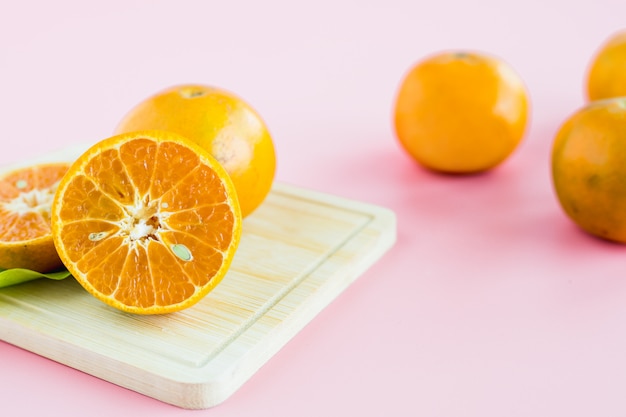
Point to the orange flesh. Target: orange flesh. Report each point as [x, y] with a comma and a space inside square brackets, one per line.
[25, 199]
[147, 224]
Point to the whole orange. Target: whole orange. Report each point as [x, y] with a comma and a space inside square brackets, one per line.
[220, 122]
[589, 168]
[461, 112]
[606, 76]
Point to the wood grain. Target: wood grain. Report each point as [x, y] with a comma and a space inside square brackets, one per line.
[298, 252]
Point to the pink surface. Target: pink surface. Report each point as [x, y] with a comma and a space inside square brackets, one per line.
[491, 303]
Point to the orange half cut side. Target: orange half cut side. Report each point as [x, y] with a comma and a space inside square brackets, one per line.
[148, 222]
[26, 196]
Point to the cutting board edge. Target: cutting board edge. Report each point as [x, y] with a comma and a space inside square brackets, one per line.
[385, 223]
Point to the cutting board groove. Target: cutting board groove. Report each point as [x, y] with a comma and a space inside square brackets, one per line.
[298, 252]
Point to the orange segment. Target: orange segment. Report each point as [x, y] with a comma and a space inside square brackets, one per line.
[25, 235]
[148, 222]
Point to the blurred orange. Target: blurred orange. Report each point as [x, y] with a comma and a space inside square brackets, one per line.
[589, 168]
[461, 112]
[607, 72]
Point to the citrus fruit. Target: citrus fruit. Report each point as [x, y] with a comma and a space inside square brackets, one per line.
[222, 123]
[606, 76]
[25, 234]
[460, 112]
[589, 168]
[148, 222]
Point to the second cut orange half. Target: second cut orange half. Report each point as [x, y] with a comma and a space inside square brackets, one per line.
[147, 222]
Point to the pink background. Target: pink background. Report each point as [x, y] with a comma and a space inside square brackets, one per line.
[491, 303]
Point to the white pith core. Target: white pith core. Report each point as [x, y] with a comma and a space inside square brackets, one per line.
[141, 230]
[143, 223]
[38, 201]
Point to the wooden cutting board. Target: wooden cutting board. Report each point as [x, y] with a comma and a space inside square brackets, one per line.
[298, 252]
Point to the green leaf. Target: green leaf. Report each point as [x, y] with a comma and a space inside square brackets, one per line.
[19, 275]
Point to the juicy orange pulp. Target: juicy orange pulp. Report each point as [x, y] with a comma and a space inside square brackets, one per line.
[25, 234]
[460, 112]
[147, 222]
[220, 122]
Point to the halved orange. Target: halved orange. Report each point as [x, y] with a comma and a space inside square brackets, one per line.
[147, 222]
[25, 235]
